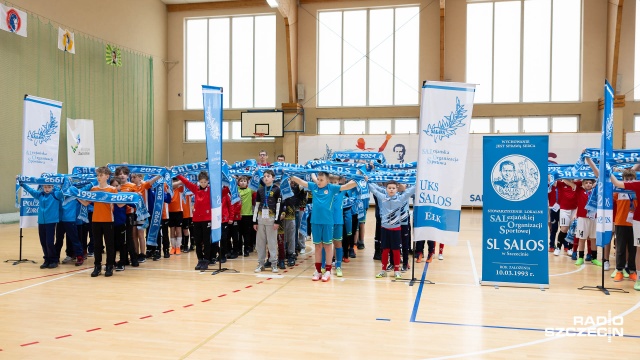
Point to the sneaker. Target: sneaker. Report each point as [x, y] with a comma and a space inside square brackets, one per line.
[606, 265]
[79, 261]
[67, 259]
[633, 276]
[274, 269]
[552, 249]
[615, 272]
[579, 262]
[147, 256]
[108, 271]
[596, 262]
[267, 264]
[420, 257]
[53, 265]
[625, 273]
[346, 260]
[291, 262]
[637, 286]
[44, 265]
[588, 257]
[397, 275]
[556, 252]
[569, 252]
[339, 272]
[326, 276]
[177, 250]
[119, 267]
[389, 267]
[360, 245]
[377, 255]
[440, 257]
[429, 258]
[97, 269]
[89, 254]
[233, 255]
[205, 265]
[323, 270]
[405, 268]
[316, 276]
[352, 253]
[166, 253]
[246, 253]
[303, 251]
[198, 265]
[172, 251]
[192, 248]
[618, 276]
[281, 265]
[259, 269]
[156, 255]
[381, 274]
[574, 256]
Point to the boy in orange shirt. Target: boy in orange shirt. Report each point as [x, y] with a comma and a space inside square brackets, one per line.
[175, 217]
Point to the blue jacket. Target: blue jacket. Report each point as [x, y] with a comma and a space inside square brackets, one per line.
[49, 209]
[391, 208]
[69, 211]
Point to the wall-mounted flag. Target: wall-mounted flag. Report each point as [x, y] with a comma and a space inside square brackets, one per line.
[113, 55]
[66, 41]
[13, 20]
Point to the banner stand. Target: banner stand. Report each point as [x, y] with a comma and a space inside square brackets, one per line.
[220, 268]
[20, 259]
[601, 286]
[413, 270]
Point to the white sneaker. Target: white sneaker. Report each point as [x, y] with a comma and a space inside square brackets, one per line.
[569, 252]
[613, 274]
[398, 275]
[606, 265]
[440, 257]
[326, 276]
[556, 252]
[274, 269]
[316, 276]
[259, 269]
[67, 259]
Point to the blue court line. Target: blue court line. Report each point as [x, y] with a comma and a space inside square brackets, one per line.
[416, 304]
[383, 319]
[508, 328]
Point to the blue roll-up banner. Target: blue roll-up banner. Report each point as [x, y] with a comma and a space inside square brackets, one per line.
[514, 212]
[212, 97]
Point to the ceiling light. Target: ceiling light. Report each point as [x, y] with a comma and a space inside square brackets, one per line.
[273, 3]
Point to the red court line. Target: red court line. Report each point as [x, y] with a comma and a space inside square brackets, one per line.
[62, 336]
[96, 329]
[186, 306]
[260, 282]
[246, 287]
[43, 276]
[220, 296]
[146, 317]
[269, 278]
[285, 271]
[235, 291]
[207, 300]
[31, 343]
[168, 311]
[121, 323]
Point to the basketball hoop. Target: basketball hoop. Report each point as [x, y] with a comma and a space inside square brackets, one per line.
[258, 134]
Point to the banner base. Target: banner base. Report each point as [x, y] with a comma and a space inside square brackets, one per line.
[497, 284]
[603, 289]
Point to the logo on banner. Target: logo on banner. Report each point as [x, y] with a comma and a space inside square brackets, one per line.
[214, 131]
[14, 22]
[74, 148]
[44, 133]
[448, 126]
[515, 177]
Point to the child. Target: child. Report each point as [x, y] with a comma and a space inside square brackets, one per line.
[235, 247]
[187, 219]
[48, 216]
[291, 206]
[338, 224]
[220, 248]
[634, 186]
[553, 216]
[247, 233]
[568, 204]
[102, 224]
[139, 240]
[322, 218]
[586, 228]
[67, 226]
[266, 220]
[390, 204]
[201, 218]
[623, 208]
[131, 231]
[175, 218]
[119, 228]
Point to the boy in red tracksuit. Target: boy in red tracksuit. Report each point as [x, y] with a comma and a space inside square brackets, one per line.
[234, 231]
[221, 248]
[201, 217]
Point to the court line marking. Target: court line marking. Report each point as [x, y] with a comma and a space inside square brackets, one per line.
[44, 276]
[570, 272]
[42, 283]
[476, 279]
[416, 303]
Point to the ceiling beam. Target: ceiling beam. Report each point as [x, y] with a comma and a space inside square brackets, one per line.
[218, 5]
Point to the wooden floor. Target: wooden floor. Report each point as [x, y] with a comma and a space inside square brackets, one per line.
[166, 310]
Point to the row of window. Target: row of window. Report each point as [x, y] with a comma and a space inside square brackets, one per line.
[533, 124]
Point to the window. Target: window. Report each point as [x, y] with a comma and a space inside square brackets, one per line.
[524, 51]
[367, 126]
[368, 57]
[529, 124]
[231, 131]
[236, 53]
[636, 123]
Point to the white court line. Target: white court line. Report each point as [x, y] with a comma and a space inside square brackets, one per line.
[570, 272]
[44, 282]
[476, 280]
[510, 347]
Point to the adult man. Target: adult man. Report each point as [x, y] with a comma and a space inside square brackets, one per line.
[400, 150]
[508, 185]
[262, 158]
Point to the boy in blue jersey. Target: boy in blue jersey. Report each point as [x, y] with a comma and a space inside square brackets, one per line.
[322, 217]
[67, 226]
[48, 216]
[338, 224]
[391, 204]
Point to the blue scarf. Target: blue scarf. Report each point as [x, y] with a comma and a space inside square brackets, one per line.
[359, 155]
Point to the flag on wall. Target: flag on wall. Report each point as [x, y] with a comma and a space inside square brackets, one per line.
[66, 41]
[13, 20]
[113, 55]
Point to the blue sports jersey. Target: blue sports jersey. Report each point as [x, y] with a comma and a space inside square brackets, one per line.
[337, 208]
[322, 202]
[391, 207]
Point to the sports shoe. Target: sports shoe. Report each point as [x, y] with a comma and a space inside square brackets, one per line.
[303, 251]
[246, 253]
[552, 249]
[625, 273]
[596, 262]
[97, 269]
[389, 267]
[198, 265]
[67, 259]
[574, 256]
[323, 270]
[352, 253]
[633, 276]
[316, 276]
[89, 254]
[579, 262]
[173, 250]
[615, 272]
[205, 265]
[587, 257]
[259, 269]
[397, 275]
[429, 258]
[618, 277]
[79, 261]
[274, 269]
[44, 265]
[405, 268]
[326, 276]
[267, 264]
[569, 252]
[440, 257]
[419, 259]
[606, 265]
[140, 261]
[156, 255]
[53, 265]
[177, 250]
[108, 271]
[281, 265]
[637, 286]
[291, 262]
[119, 267]
[360, 245]
[166, 253]
[381, 274]
[339, 272]
[346, 260]
[556, 252]
[377, 256]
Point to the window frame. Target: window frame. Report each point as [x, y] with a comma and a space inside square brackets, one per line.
[520, 118]
[230, 135]
[367, 125]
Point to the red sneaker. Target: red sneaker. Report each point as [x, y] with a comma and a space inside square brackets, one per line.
[79, 261]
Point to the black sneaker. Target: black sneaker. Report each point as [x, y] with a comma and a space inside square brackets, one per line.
[97, 269]
[292, 262]
[156, 255]
[267, 264]
[281, 264]
[119, 267]
[352, 253]
[108, 271]
[404, 268]
[199, 265]
[166, 253]
[205, 265]
[233, 255]
[360, 245]
[246, 253]
[44, 265]
[135, 263]
[390, 267]
[184, 249]
[147, 256]
[192, 247]
[223, 260]
[377, 256]
[53, 265]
